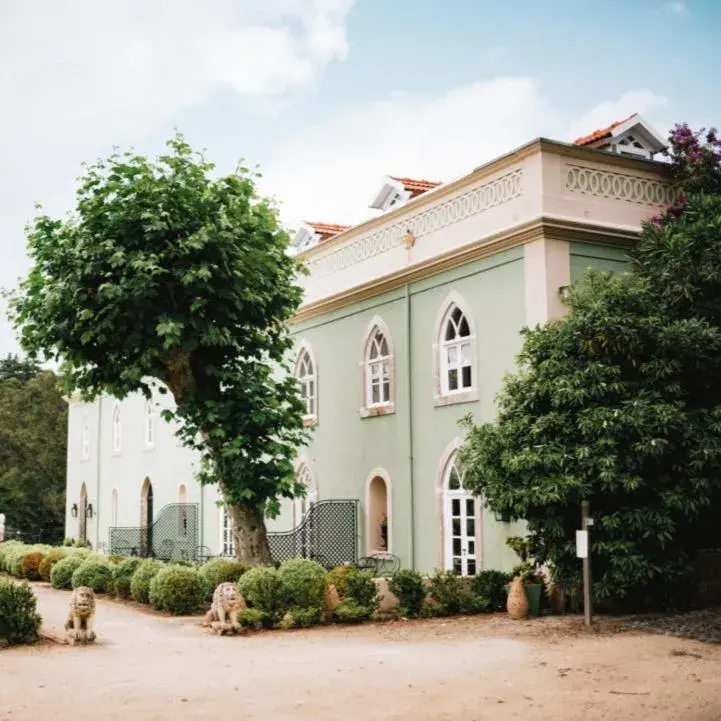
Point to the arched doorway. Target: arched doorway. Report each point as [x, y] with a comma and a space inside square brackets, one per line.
[146, 517]
[378, 537]
[461, 522]
[83, 514]
[301, 510]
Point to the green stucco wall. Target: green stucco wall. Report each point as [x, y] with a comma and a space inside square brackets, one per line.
[600, 257]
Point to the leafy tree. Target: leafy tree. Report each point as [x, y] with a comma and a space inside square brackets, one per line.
[618, 404]
[33, 448]
[14, 367]
[166, 273]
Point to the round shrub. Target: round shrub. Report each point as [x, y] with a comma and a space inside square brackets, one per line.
[177, 589]
[19, 620]
[61, 576]
[30, 566]
[452, 595]
[362, 589]
[304, 583]
[140, 582]
[217, 571]
[407, 586]
[7, 550]
[348, 611]
[337, 577]
[491, 585]
[122, 576]
[262, 588]
[51, 558]
[97, 575]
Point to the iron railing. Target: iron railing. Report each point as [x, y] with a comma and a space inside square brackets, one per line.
[172, 536]
[51, 535]
[328, 534]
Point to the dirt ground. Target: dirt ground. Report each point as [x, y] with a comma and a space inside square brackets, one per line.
[147, 667]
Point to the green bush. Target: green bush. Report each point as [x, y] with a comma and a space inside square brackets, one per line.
[61, 576]
[177, 589]
[7, 549]
[14, 553]
[30, 566]
[348, 611]
[51, 558]
[252, 618]
[452, 595]
[122, 576]
[94, 574]
[217, 571]
[337, 577]
[140, 582]
[19, 620]
[298, 617]
[304, 584]
[491, 586]
[407, 586]
[262, 588]
[362, 589]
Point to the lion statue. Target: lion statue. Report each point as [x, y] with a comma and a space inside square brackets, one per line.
[223, 614]
[79, 625]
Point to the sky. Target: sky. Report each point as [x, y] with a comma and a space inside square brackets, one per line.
[328, 96]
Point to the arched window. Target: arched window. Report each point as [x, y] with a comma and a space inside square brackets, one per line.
[149, 425]
[86, 440]
[461, 521]
[227, 547]
[305, 372]
[182, 510]
[303, 520]
[377, 370]
[456, 346]
[117, 430]
[114, 508]
[378, 512]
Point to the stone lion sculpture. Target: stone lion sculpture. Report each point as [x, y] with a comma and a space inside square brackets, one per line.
[79, 625]
[227, 604]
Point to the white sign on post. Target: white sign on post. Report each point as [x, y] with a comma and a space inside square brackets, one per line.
[581, 544]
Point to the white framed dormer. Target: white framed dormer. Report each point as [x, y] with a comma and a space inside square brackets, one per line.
[149, 429]
[632, 137]
[378, 373]
[85, 440]
[455, 356]
[305, 370]
[305, 237]
[117, 430]
[391, 194]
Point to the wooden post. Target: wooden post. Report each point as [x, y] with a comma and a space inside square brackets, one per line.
[587, 611]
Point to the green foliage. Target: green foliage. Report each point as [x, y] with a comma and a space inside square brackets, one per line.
[13, 553]
[123, 575]
[61, 575]
[51, 558]
[166, 272]
[252, 618]
[491, 585]
[140, 581]
[33, 451]
[337, 577]
[177, 589]
[349, 611]
[304, 584]
[13, 367]
[263, 589]
[30, 566]
[302, 617]
[407, 586]
[452, 595]
[19, 620]
[67, 541]
[94, 574]
[217, 571]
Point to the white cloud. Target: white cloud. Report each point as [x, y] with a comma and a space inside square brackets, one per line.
[677, 8]
[330, 172]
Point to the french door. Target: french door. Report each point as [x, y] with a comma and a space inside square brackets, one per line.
[460, 532]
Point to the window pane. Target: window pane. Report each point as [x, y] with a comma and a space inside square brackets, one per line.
[457, 566]
[374, 351]
[454, 482]
[466, 377]
[455, 507]
[457, 315]
[311, 388]
[470, 507]
[471, 567]
[384, 347]
[450, 330]
[471, 547]
[375, 393]
[452, 355]
[466, 354]
[456, 527]
[386, 392]
[453, 380]
[471, 526]
[463, 328]
[456, 546]
[375, 371]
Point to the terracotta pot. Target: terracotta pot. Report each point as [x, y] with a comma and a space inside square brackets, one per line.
[517, 604]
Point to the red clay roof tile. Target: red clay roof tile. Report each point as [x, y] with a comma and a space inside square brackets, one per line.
[597, 135]
[416, 187]
[327, 230]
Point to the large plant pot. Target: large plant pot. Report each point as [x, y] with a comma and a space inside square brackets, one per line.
[517, 603]
[533, 592]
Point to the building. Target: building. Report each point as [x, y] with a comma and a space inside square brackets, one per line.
[410, 321]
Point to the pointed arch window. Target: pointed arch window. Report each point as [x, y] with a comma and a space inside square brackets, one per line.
[226, 544]
[117, 430]
[378, 370]
[457, 351]
[306, 373]
[149, 425]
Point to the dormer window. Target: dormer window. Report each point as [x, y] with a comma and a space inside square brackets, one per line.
[310, 234]
[396, 191]
[632, 136]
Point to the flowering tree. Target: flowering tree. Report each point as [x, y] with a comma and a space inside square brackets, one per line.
[619, 404]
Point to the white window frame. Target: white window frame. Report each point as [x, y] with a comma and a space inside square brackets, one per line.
[468, 553]
[307, 381]
[226, 545]
[458, 345]
[117, 430]
[85, 440]
[149, 429]
[114, 508]
[383, 406]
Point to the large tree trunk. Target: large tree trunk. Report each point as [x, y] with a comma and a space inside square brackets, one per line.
[250, 537]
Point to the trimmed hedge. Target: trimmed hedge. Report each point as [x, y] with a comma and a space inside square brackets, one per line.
[304, 584]
[30, 565]
[337, 577]
[407, 586]
[52, 557]
[61, 576]
[123, 575]
[491, 585]
[19, 620]
[217, 571]
[362, 599]
[94, 574]
[262, 588]
[140, 582]
[177, 589]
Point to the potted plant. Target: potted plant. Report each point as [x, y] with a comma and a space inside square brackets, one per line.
[384, 531]
[526, 571]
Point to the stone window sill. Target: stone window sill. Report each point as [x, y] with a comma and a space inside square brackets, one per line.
[310, 420]
[385, 410]
[469, 396]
